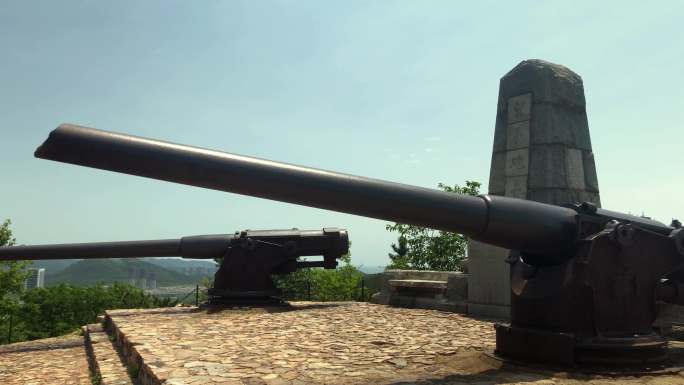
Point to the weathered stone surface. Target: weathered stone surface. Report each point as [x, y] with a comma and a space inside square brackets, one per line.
[312, 342]
[419, 283]
[547, 167]
[590, 172]
[104, 358]
[488, 294]
[517, 162]
[563, 196]
[440, 290]
[519, 108]
[516, 187]
[548, 82]
[50, 361]
[574, 168]
[518, 135]
[552, 124]
[497, 175]
[331, 343]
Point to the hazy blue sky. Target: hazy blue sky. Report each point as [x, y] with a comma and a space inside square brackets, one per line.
[399, 90]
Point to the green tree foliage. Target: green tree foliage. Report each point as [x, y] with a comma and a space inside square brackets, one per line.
[316, 284]
[12, 277]
[399, 256]
[12, 273]
[57, 310]
[429, 249]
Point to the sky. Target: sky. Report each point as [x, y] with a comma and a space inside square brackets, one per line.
[404, 91]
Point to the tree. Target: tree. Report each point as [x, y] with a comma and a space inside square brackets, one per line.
[12, 277]
[12, 273]
[57, 310]
[429, 249]
[316, 284]
[399, 257]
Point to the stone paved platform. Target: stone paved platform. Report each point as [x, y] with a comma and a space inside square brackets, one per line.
[323, 343]
[105, 360]
[53, 361]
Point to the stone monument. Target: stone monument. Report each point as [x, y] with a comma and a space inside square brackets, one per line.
[542, 152]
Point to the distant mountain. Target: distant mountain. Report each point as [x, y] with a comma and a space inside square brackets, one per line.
[53, 266]
[182, 265]
[371, 269]
[106, 271]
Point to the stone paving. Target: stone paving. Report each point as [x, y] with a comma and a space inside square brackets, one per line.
[54, 361]
[105, 359]
[324, 343]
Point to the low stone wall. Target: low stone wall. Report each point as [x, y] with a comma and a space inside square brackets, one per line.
[454, 297]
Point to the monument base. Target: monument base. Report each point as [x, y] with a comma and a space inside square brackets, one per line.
[489, 288]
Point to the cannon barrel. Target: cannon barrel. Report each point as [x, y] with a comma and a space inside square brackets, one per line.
[532, 227]
[303, 243]
[183, 247]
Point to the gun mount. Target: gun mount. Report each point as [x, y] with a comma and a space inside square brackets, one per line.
[584, 281]
[249, 258]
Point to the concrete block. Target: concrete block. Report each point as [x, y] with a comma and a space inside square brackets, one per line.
[553, 124]
[517, 162]
[548, 82]
[518, 135]
[500, 132]
[574, 168]
[516, 187]
[457, 288]
[519, 108]
[547, 167]
[590, 172]
[555, 196]
[489, 276]
[497, 174]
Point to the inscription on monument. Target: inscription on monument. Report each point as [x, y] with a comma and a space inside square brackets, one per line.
[518, 135]
[519, 108]
[517, 162]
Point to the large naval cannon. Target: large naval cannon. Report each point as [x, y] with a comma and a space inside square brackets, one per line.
[584, 281]
[248, 258]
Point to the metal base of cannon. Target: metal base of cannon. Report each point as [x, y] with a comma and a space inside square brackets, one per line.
[642, 353]
[227, 298]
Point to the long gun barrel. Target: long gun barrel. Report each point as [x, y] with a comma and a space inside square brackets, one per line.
[511, 223]
[304, 243]
[249, 258]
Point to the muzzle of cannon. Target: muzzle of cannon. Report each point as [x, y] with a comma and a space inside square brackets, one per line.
[584, 281]
[248, 258]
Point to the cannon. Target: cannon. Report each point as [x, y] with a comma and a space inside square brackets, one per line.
[584, 281]
[248, 258]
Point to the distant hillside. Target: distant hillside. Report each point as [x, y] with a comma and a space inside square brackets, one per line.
[107, 271]
[371, 269]
[53, 266]
[181, 265]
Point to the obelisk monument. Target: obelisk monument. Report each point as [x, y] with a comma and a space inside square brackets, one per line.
[542, 152]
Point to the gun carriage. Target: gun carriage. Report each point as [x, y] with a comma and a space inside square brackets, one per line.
[584, 281]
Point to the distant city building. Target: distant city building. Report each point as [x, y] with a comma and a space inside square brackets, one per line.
[152, 281]
[35, 279]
